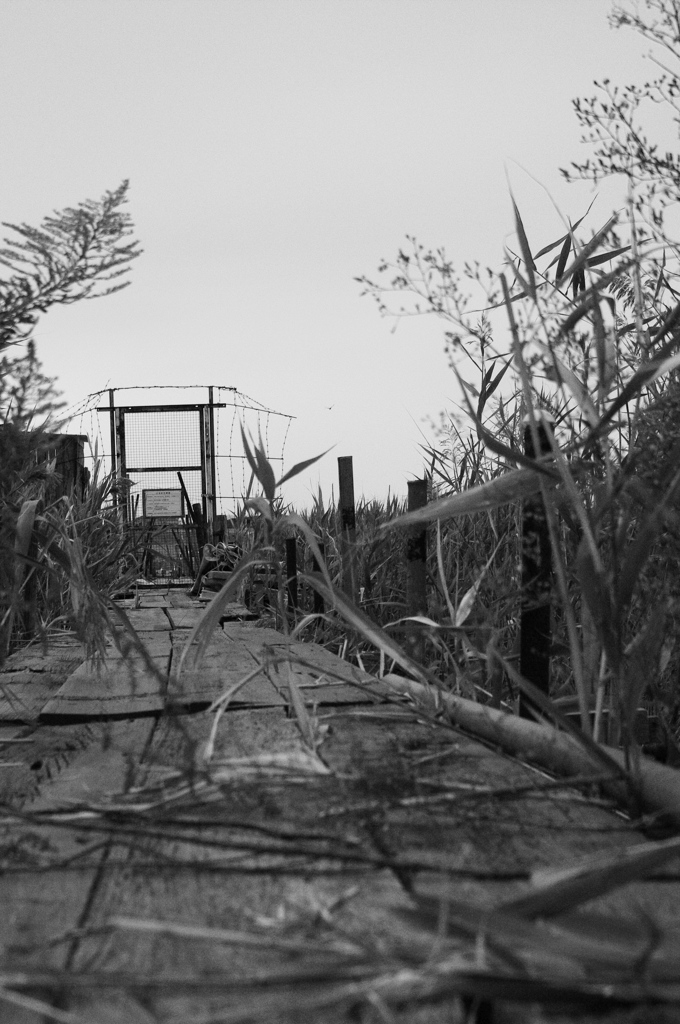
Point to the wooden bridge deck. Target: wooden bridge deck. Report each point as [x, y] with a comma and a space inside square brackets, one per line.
[140, 885]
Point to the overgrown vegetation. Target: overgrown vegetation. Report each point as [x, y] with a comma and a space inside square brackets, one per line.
[62, 551]
[592, 335]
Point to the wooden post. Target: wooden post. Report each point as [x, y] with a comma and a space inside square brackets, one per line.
[535, 632]
[416, 570]
[318, 605]
[201, 531]
[348, 529]
[291, 572]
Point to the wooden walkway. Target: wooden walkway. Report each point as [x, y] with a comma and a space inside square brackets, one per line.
[277, 881]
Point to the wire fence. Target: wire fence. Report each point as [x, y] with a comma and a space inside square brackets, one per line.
[155, 441]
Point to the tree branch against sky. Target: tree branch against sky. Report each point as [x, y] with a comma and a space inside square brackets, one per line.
[614, 120]
[82, 252]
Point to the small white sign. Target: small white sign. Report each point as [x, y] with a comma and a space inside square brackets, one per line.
[164, 503]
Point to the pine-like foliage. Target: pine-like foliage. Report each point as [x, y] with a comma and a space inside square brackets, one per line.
[82, 252]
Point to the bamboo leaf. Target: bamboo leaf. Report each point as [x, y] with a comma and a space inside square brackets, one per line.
[530, 285]
[260, 467]
[468, 599]
[527, 288]
[300, 467]
[266, 474]
[581, 260]
[605, 348]
[594, 588]
[514, 454]
[498, 378]
[641, 660]
[643, 376]
[564, 238]
[595, 261]
[249, 455]
[260, 505]
[563, 257]
[582, 309]
[577, 389]
[512, 486]
[24, 528]
[636, 557]
[553, 245]
[293, 519]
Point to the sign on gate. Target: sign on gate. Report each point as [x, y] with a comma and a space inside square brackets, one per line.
[162, 503]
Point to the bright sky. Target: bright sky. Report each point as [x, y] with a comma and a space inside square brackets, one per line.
[276, 150]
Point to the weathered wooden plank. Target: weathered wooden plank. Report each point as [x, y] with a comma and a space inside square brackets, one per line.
[30, 677]
[152, 598]
[38, 754]
[105, 765]
[187, 617]
[119, 685]
[223, 666]
[268, 907]
[123, 684]
[148, 619]
[233, 654]
[42, 899]
[180, 599]
[424, 787]
[317, 670]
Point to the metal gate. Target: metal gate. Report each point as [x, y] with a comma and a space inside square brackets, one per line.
[165, 456]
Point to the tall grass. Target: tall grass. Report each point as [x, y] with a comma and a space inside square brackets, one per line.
[62, 559]
[592, 336]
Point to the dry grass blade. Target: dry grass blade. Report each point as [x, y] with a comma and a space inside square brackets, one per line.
[220, 705]
[230, 937]
[293, 519]
[200, 635]
[468, 599]
[292, 762]
[38, 1007]
[598, 948]
[561, 889]
[592, 750]
[302, 716]
[373, 633]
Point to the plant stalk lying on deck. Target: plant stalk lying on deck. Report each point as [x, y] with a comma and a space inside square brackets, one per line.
[658, 786]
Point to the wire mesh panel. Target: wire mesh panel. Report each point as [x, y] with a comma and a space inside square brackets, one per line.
[161, 449]
[158, 439]
[167, 552]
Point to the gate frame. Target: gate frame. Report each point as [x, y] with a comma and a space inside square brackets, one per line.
[206, 439]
